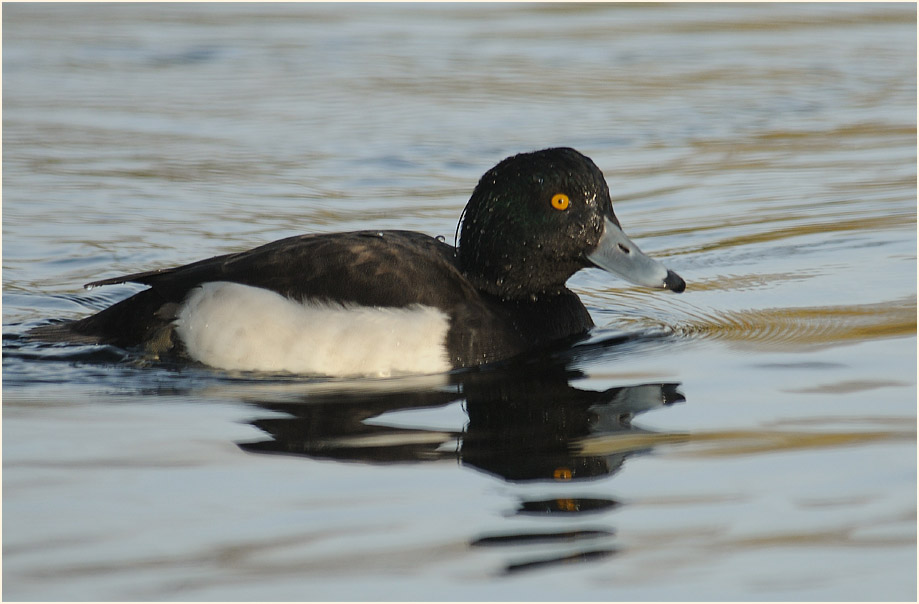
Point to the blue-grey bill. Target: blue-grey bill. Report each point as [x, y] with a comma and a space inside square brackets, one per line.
[617, 254]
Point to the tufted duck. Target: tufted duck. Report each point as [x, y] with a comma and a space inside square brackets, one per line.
[383, 302]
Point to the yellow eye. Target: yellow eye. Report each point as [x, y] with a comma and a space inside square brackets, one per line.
[562, 473]
[560, 201]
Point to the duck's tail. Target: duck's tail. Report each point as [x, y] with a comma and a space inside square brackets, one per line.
[145, 320]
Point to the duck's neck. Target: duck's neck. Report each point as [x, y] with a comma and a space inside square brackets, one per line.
[515, 280]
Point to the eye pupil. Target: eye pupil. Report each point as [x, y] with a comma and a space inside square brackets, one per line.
[560, 201]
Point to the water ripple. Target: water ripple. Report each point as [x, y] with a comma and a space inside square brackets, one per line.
[814, 326]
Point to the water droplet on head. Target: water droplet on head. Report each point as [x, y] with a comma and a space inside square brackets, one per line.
[441, 238]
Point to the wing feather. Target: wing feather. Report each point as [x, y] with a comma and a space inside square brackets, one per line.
[377, 268]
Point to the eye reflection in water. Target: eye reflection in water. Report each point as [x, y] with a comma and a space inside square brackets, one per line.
[527, 423]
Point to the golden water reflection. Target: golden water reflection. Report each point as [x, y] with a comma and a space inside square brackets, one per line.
[805, 328]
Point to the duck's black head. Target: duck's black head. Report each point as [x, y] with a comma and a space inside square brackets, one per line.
[537, 218]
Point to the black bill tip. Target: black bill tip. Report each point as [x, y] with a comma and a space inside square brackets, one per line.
[674, 282]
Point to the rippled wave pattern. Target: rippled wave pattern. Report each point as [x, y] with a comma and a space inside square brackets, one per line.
[795, 328]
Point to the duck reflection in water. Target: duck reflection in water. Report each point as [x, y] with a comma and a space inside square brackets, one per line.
[526, 423]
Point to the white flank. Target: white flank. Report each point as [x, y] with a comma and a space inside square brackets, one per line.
[238, 327]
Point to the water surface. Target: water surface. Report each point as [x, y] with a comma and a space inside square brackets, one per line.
[751, 439]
